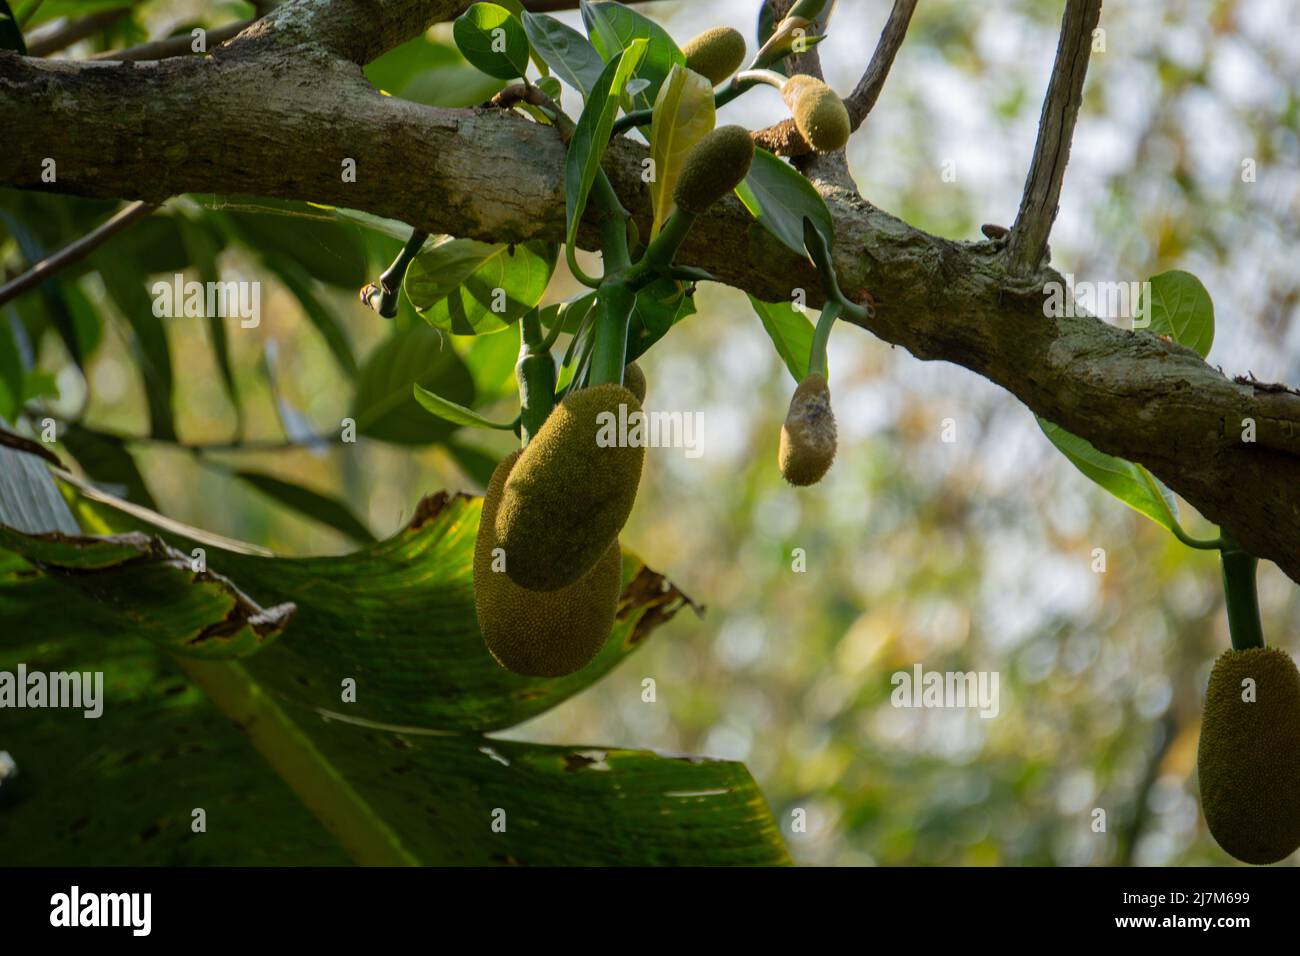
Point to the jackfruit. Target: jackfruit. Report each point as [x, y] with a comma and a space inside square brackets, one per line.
[540, 633]
[634, 381]
[818, 112]
[1249, 755]
[574, 485]
[713, 167]
[716, 54]
[808, 435]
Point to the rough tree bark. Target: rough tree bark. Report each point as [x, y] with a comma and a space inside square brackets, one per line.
[275, 111]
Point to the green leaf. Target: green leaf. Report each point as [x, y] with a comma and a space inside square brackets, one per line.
[137, 581]
[11, 35]
[424, 70]
[659, 306]
[326, 510]
[493, 40]
[790, 331]
[565, 50]
[105, 458]
[591, 136]
[400, 612]
[779, 197]
[329, 250]
[1181, 308]
[203, 242]
[452, 412]
[29, 498]
[318, 314]
[1129, 482]
[149, 341]
[385, 407]
[491, 360]
[683, 115]
[472, 288]
[613, 28]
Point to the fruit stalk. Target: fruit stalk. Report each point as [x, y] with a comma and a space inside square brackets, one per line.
[609, 353]
[535, 373]
[1241, 598]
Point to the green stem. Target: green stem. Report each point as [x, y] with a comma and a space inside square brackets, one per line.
[721, 97]
[659, 254]
[1242, 600]
[1201, 544]
[535, 373]
[384, 296]
[609, 354]
[820, 251]
[822, 335]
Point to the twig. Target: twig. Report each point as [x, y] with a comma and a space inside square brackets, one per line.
[173, 46]
[864, 95]
[45, 42]
[1038, 206]
[74, 251]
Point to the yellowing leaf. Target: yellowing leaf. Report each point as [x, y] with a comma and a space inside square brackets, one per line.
[683, 114]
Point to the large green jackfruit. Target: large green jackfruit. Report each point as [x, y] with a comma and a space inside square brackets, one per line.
[571, 492]
[1249, 755]
[715, 54]
[540, 633]
[713, 167]
[818, 112]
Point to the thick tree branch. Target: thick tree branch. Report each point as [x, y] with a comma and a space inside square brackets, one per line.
[1038, 207]
[865, 94]
[278, 123]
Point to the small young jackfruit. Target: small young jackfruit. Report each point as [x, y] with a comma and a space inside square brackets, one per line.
[819, 114]
[713, 167]
[634, 381]
[571, 492]
[540, 633]
[1249, 755]
[716, 54]
[808, 435]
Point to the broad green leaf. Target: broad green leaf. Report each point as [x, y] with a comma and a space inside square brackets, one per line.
[659, 306]
[459, 414]
[472, 288]
[425, 70]
[591, 136]
[136, 582]
[1181, 308]
[397, 615]
[683, 115]
[296, 280]
[1129, 482]
[491, 360]
[790, 331]
[203, 242]
[385, 407]
[313, 504]
[329, 250]
[565, 50]
[779, 197]
[126, 288]
[11, 35]
[106, 459]
[29, 498]
[614, 28]
[570, 313]
[383, 795]
[492, 40]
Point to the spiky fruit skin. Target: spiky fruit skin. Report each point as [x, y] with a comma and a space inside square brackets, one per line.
[818, 112]
[713, 167]
[808, 435]
[715, 54]
[568, 497]
[1249, 755]
[540, 633]
[634, 381]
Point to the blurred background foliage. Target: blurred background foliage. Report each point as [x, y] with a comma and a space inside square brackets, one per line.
[972, 555]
